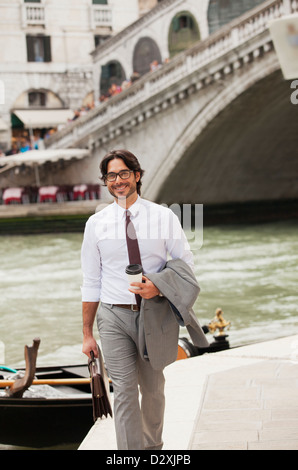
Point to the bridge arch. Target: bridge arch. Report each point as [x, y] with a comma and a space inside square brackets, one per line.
[221, 12]
[239, 154]
[146, 51]
[183, 32]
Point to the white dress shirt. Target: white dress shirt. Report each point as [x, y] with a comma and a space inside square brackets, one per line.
[104, 253]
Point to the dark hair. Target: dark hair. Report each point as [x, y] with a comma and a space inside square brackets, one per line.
[130, 161]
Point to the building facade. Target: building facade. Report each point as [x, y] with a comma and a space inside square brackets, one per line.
[59, 57]
[46, 62]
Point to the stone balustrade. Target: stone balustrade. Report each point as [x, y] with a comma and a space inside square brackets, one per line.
[33, 14]
[101, 15]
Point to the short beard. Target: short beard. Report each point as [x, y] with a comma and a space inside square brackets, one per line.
[132, 190]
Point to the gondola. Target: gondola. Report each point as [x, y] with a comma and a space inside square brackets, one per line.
[48, 415]
[52, 414]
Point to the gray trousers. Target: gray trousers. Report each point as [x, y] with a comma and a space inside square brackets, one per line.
[138, 425]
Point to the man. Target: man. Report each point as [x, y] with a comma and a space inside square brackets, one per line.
[105, 255]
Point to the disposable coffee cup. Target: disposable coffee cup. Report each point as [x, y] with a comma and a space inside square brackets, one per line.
[134, 273]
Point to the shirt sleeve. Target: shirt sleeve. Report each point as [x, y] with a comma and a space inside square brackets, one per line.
[91, 265]
[177, 243]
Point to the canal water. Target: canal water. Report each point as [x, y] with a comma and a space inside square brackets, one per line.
[250, 271]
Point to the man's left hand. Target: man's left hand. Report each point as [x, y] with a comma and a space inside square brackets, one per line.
[147, 289]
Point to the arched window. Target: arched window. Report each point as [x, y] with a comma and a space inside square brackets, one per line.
[111, 73]
[146, 52]
[221, 12]
[184, 31]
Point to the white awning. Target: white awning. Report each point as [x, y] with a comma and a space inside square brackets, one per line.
[35, 158]
[39, 157]
[43, 118]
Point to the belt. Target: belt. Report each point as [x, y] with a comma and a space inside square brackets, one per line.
[133, 307]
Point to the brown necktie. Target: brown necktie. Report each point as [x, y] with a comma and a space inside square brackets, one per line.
[132, 247]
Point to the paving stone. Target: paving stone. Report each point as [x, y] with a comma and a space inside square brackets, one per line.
[280, 433]
[274, 445]
[285, 413]
[221, 446]
[254, 407]
[225, 436]
[230, 425]
[233, 415]
[281, 423]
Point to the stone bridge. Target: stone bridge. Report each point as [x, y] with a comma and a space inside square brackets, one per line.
[214, 125]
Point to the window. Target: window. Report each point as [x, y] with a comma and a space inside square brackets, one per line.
[100, 39]
[32, 1]
[39, 49]
[111, 73]
[100, 2]
[146, 52]
[221, 12]
[37, 99]
[184, 32]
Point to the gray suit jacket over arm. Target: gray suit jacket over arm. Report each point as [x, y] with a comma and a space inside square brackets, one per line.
[159, 316]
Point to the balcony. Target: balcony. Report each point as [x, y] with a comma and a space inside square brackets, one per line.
[33, 14]
[101, 15]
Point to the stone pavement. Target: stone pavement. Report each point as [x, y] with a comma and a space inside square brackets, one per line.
[244, 398]
[250, 408]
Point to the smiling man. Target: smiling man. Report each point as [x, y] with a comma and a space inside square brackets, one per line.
[122, 182]
[105, 255]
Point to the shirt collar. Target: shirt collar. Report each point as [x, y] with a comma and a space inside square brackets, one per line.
[120, 212]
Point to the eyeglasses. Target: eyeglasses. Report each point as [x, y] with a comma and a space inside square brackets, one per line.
[124, 175]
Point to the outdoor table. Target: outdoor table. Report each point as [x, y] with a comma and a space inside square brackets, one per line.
[80, 191]
[51, 194]
[13, 195]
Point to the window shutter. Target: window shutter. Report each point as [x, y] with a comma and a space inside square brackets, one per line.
[47, 49]
[30, 48]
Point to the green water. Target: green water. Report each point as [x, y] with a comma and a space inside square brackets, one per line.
[251, 272]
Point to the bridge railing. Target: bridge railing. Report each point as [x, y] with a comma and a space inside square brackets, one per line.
[232, 35]
[238, 32]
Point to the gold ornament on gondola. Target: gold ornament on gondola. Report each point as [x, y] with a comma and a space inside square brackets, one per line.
[219, 323]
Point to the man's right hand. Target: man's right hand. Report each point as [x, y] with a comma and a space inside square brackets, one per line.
[89, 344]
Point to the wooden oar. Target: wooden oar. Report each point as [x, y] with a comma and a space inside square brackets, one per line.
[80, 381]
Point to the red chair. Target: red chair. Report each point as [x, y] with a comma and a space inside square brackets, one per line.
[15, 196]
[48, 193]
[80, 192]
[94, 191]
